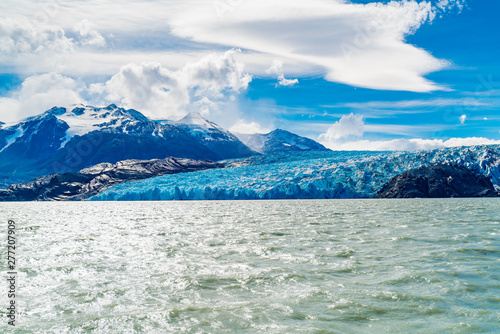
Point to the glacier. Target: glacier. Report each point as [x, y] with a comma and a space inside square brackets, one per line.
[303, 175]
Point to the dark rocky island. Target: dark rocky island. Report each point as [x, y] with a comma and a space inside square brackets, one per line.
[90, 181]
[440, 181]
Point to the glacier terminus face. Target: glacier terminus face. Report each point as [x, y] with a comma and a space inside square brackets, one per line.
[304, 175]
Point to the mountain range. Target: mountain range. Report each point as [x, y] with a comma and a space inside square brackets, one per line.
[114, 153]
[63, 140]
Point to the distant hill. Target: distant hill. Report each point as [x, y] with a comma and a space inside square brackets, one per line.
[280, 141]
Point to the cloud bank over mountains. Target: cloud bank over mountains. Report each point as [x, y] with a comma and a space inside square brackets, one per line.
[162, 93]
[347, 135]
[156, 91]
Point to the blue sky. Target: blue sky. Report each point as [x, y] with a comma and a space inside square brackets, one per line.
[351, 74]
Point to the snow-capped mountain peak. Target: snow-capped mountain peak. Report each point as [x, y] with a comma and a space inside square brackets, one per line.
[194, 118]
[212, 135]
[201, 127]
[82, 120]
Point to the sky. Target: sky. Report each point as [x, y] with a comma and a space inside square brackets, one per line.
[353, 75]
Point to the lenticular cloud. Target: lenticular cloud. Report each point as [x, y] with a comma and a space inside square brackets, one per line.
[357, 44]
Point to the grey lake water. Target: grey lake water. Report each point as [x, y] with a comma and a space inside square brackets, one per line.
[326, 266]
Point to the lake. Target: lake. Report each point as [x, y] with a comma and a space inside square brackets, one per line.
[298, 266]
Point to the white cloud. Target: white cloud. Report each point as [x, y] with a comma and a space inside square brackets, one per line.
[108, 62]
[445, 5]
[348, 126]
[244, 127]
[342, 136]
[135, 32]
[215, 73]
[357, 44]
[282, 81]
[90, 36]
[277, 70]
[18, 36]
[408, 144]
[204, 106]
[31, 47]
[161, 93]
[9, 109]
[37, 94]
[440, 102]
[147, 87]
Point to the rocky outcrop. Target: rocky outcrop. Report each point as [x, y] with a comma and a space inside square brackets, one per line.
[90, 181]
[440, 181]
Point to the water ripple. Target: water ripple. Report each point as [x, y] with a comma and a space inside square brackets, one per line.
[339, 266]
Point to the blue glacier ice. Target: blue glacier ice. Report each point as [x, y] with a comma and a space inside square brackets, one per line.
[303, 175]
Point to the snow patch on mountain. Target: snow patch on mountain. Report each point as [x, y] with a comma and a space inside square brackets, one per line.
[84, 119]
[19, 131]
